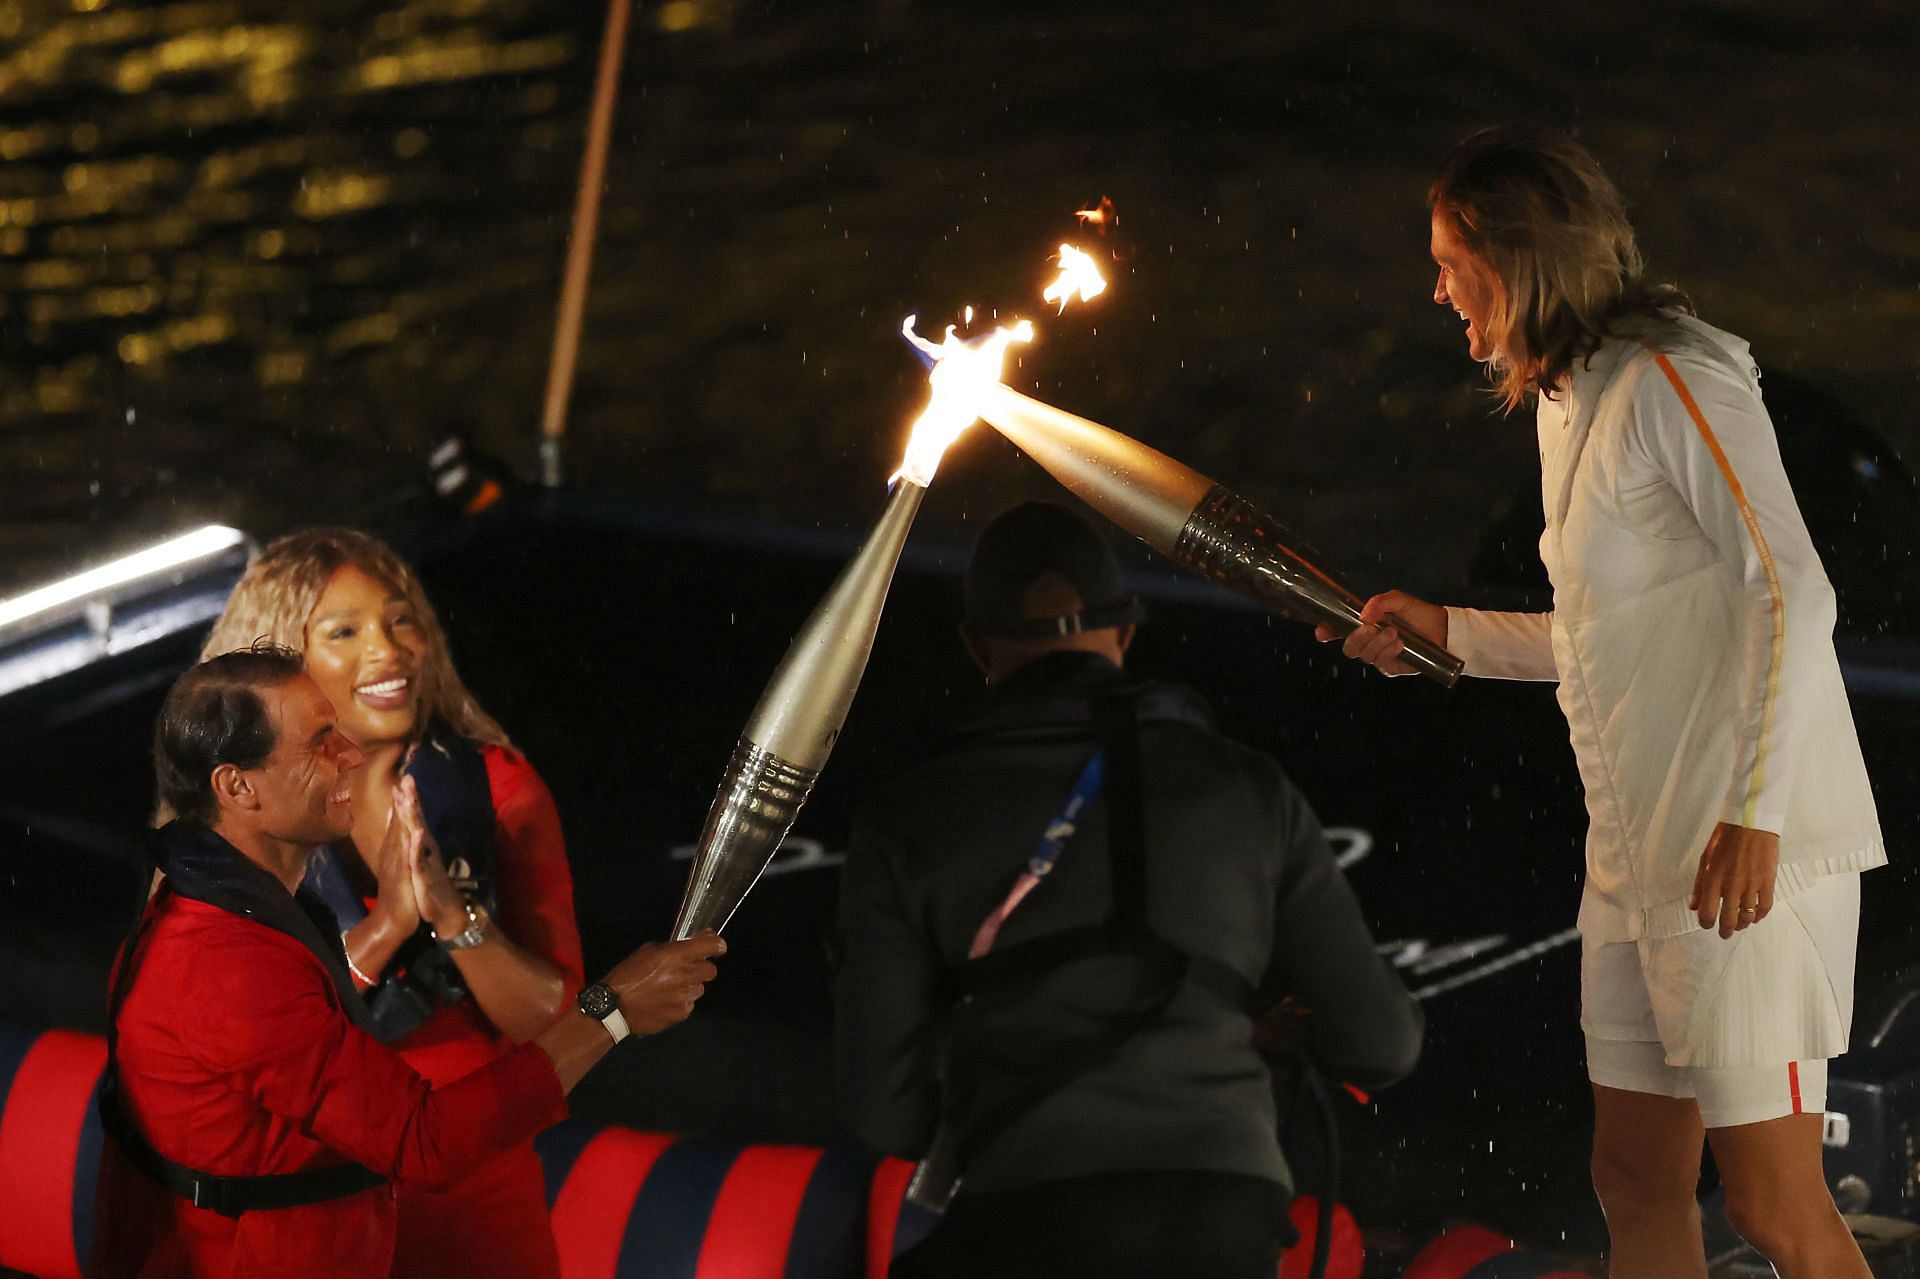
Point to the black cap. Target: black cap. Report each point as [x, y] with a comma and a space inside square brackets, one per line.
[1025, 543]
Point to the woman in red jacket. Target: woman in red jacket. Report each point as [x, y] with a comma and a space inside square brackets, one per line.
[448, 1003]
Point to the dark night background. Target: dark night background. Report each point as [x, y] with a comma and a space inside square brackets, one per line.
[256, 259]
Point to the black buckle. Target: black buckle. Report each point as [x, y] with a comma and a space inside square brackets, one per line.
[211, 1195]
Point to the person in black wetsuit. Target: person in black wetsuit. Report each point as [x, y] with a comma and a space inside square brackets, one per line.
[1082, 1038]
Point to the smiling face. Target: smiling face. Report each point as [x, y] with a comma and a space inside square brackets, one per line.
[304, 790]
[364, 648]
[1467, 284]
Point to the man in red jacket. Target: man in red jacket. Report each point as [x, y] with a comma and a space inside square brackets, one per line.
[258, 1128]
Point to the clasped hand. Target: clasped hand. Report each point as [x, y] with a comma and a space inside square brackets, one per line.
[411, 869]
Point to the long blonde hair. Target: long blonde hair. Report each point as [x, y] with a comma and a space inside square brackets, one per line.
[278, 593]
[1537, 210]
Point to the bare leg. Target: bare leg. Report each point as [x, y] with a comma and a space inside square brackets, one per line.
[1777, 1198]
[1646, 1163]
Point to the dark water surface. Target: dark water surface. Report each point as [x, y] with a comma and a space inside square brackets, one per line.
[256, 258]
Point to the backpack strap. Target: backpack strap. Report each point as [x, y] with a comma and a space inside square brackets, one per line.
[1125, 932]
[228, 1196]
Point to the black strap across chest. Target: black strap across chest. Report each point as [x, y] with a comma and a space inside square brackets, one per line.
[1126, 931]
[201, 866]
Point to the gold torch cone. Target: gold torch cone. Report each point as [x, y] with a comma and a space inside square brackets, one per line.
[1190, 519]
[793, 727]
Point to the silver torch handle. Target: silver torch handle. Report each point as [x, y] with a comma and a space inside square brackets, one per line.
[1233, 542]
[1186, 516]
[793, 727]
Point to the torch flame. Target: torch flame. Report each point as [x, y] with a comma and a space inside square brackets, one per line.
[1078, 274]
[963, 372]
[1101, 216]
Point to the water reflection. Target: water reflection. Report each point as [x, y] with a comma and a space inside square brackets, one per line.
[256, 258]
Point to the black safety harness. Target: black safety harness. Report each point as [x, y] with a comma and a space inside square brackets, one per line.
[1116, 716]
[1125, 931]
[202, 866]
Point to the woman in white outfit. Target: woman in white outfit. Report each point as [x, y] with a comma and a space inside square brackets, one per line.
[1691, 640]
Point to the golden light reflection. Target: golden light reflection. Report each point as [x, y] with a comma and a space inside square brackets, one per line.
[180, 335]
[198, 330]
[678, 15]
[61, 394]
[368, 330]
[118, 303]
[279, 368]
[139, 348]
[962, 373]
[462, 57]
[262, 52]
[53, 273]
[409, 142]
[228, 168]
[328, 195]
[18, 144]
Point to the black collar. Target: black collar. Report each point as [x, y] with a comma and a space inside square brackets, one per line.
[1057, 693]
[202, 866]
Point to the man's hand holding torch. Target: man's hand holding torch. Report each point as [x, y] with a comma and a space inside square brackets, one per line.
[658, 984]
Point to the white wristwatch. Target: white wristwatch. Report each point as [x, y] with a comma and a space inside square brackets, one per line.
[598, 1002]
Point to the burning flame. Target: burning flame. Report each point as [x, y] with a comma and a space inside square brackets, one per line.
[1078, 274]
[962, 373]
[1101, 215]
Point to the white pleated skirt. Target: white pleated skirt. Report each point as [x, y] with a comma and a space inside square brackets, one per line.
[1778, 991]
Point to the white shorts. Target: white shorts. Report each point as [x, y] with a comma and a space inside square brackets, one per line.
[1744, 1024]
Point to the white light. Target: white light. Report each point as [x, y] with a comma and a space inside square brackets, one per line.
[171, 554]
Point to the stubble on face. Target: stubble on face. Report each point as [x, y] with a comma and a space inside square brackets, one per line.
[307, 778]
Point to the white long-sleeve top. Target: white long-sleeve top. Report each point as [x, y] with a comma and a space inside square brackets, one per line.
[1691, 633]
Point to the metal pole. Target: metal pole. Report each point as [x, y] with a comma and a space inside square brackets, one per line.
[586, 219]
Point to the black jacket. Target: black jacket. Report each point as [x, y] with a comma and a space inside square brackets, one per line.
[1237, 870]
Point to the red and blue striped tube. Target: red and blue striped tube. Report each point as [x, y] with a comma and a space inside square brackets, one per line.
[49, 1148]
[1474, 1252]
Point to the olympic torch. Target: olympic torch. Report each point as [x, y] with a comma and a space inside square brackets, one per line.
[792, 729]
[1197, 523]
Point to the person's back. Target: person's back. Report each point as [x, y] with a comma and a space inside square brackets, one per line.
[1044, 1085]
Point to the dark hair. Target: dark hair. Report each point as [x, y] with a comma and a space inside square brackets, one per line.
[1539, 212]
[214, 715]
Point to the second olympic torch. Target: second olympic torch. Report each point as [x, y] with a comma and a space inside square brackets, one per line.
[1201, 525]
[793, 728]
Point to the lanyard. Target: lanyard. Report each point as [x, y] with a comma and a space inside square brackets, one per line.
[1053, 842]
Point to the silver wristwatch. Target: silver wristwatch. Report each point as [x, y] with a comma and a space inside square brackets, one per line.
[479, 927]
[600, 1003]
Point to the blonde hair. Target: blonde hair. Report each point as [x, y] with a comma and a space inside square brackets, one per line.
[1536, 209]
[280, 589]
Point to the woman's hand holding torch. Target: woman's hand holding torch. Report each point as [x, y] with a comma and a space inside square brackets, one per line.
[1378, 640]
